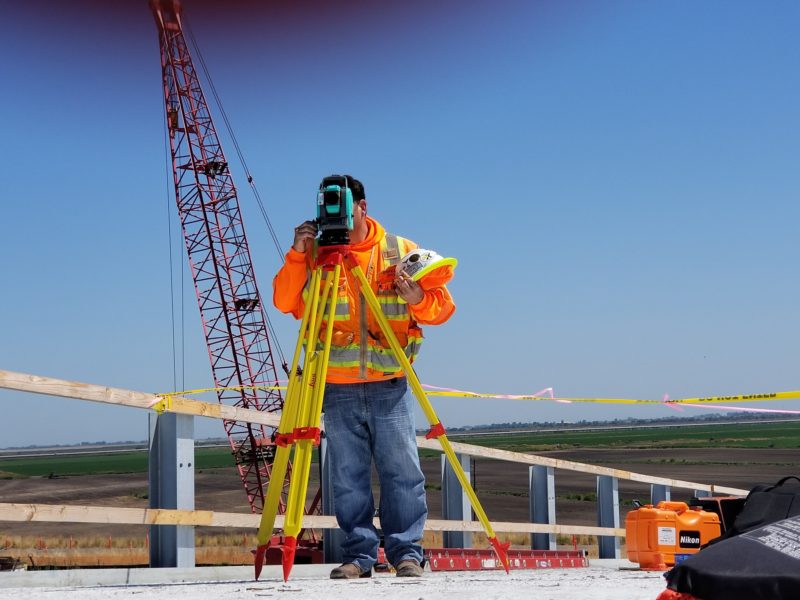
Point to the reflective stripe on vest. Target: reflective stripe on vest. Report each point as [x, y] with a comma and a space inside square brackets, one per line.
[342, 305]
[394, 310]
[389, 300]
[378, 358]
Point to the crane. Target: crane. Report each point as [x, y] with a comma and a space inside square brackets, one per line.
[231, 309]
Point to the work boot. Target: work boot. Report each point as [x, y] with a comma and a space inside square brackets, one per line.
[408, 568]
[349, 571]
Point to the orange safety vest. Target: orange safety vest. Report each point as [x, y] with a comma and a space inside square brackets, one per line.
[359, 350]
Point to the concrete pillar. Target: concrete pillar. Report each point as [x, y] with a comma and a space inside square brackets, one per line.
[455, 502]
[171, 485]
[542, 497]
[608, 514]
[659, 493]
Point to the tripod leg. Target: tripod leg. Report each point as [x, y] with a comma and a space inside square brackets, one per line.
[306, 432]
[288, 422]
[437, 430]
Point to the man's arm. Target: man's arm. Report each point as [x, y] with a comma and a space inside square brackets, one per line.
[436, 307]
[288, 284]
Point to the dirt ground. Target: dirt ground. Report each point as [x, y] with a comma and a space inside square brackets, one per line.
[502, 487]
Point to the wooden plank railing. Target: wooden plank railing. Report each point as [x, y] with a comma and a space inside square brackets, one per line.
[96, 393]
[22, 382]
[62, 513]
[557, 463]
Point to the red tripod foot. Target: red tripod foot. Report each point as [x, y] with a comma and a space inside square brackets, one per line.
[289, 547]
[502, 551]
[260, 553]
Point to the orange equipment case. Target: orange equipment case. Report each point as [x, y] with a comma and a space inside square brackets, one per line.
[657, 538]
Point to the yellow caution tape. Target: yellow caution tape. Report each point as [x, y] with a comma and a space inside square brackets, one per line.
[745, 398]
[710, 399]
[223, 389]
[769, 396]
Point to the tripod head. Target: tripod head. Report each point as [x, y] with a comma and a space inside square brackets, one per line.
[335, 211]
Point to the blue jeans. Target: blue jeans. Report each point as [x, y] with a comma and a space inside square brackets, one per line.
[366, 421]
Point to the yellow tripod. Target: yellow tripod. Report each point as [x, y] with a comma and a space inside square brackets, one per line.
[300, 419]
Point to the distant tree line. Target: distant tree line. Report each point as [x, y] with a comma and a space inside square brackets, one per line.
[728, 417]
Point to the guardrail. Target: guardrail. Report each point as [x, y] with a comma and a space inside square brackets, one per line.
[455, 507]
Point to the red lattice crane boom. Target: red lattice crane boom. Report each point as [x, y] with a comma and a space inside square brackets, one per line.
[231, 309]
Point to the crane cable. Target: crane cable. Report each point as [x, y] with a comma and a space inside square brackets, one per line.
[249, 175]
[239, 153]
[171, 283]
[171, 265]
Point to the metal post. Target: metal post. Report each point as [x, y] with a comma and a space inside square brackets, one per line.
[171, 485]
[541, 482]
[331, 538]
[608, 514]
[659, 493]
[455, 502]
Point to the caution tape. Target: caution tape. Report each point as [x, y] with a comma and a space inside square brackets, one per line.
[749, 409]
[744, 398]
[164, 400]
[792, 395]
[237, 388]
[543, 395]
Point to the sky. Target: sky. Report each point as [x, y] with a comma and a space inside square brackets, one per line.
[618, 180]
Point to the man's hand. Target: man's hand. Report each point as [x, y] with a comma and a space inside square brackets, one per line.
[408, 289]
[304, 234]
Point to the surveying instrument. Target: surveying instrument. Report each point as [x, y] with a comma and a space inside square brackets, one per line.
[299, 426]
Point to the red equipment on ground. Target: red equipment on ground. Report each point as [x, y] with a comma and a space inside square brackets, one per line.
[670, 595]
[471, 559]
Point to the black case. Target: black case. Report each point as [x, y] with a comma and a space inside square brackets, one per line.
[761, 564]
[757, 558]
[765, 504]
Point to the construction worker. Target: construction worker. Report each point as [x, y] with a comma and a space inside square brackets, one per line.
[367, 404]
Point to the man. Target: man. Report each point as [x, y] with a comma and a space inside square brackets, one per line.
[367, 403]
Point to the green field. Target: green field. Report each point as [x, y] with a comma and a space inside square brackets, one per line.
[733, 435]
[129, 462]
[729, 435]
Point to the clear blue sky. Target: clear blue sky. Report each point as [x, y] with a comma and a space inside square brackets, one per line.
[619, 181]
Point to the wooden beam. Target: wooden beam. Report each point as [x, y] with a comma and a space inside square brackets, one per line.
[60, 513]
[36, 384]
[533, 459]
[223, 411]
[84, 391]
[49, 386]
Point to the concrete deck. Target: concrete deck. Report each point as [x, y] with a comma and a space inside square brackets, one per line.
[602, 580]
